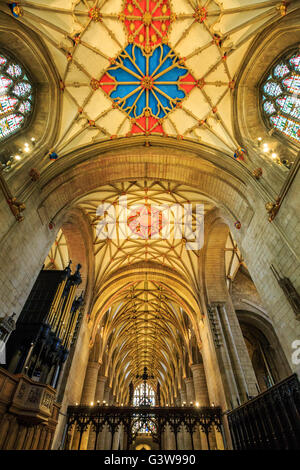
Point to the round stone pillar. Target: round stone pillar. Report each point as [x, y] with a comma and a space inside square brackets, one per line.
[107, 394]
[190, 391]
[186, 435]
[201, 396]
[99, 396]
[180, 438]
[108, 436]
[200, 387]
[190, 398]
[88, 393]
[90, 383]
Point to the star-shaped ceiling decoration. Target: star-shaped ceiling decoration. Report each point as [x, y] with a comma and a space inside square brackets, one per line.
[147, 86]
[112, 56]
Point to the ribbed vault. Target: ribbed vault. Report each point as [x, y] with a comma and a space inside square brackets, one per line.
[122, 249]
[144, 328]
[146, 310]
[86, 39]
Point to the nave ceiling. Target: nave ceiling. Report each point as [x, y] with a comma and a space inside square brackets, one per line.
[139, 319]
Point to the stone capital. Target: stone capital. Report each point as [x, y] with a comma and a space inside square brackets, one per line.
[101, 378]
[93, 365]
[188, 380]
[197, 368]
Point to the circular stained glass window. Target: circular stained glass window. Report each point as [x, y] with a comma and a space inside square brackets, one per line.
[280, 94]
[16, 96]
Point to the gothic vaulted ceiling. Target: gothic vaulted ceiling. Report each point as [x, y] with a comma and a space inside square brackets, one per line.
[140, 320]
[141, 67]
[162, 67]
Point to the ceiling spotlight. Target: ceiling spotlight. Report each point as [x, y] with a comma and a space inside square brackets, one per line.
[32, 139]
[197, 404]
[17, 157]
[274, 155]
[266, 148]
[92, 403]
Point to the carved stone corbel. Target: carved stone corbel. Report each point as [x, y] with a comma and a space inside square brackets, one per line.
[15, 206]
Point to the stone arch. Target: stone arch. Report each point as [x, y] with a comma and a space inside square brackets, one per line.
[77, 232]
[75, 175]
[214, 259]
[266, 333]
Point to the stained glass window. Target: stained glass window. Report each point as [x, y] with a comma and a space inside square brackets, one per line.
[280, 96]
[281, 70]
[16, 96]
[143, 393]
[143, 426]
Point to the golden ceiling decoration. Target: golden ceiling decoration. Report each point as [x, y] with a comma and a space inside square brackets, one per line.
[87, 38]
[143, 320]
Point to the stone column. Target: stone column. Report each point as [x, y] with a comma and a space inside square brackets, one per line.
[103, 439]
[186, 435]
[99, 397]
[201, 392]
[107, 394]
[90, 383]
[190, 397]
[88, 393]
[201, 396]
[242, 364]
[190, 391]
[180, 436]
[106, 443]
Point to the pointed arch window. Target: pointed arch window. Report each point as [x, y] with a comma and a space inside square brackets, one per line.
[16, 96]
[144, 394]
[280, 96]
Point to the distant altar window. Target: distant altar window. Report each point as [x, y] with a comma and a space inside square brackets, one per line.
[280, 94]
[16, 96]
[144, 395]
